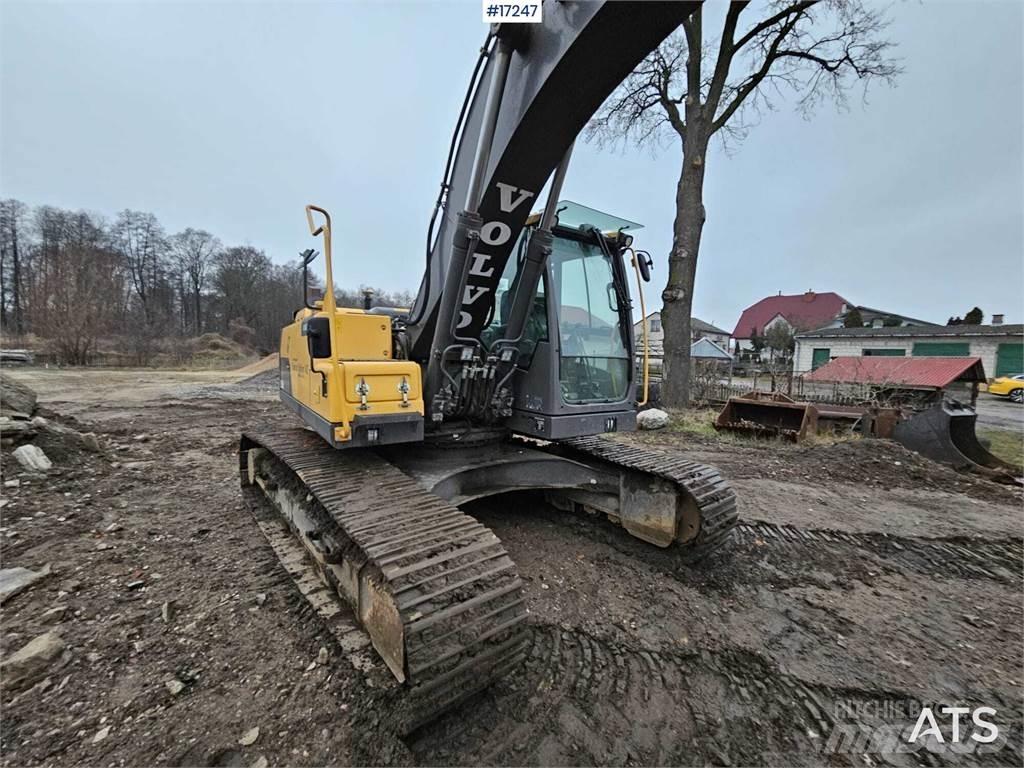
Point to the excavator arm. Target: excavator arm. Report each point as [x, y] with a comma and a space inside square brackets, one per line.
[540, 86]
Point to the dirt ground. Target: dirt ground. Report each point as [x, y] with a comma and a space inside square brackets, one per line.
[863, 582]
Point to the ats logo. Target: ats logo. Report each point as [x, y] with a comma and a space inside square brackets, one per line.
[950, 732]
[927, 726]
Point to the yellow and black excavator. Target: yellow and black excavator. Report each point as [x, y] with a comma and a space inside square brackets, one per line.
[514, 361]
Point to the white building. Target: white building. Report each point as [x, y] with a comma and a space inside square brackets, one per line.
[656, 334]
[1000, 347]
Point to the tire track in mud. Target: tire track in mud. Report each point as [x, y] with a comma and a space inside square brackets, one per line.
[581, 700]
[577, 698]
[998, 559]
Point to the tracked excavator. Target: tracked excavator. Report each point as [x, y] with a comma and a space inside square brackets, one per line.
[506, 374]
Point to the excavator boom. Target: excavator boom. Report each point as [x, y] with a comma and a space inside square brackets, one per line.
[549, 79]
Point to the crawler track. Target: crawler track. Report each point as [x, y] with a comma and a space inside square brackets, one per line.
[435, 589]
[715, 499]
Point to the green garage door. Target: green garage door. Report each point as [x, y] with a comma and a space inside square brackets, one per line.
[1009, 359]
[942, 349]
[883, 352]
[819, 357]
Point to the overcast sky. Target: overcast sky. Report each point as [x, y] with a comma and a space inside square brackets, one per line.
[231, 116]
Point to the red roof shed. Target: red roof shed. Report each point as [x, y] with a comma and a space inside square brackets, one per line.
[908, 372]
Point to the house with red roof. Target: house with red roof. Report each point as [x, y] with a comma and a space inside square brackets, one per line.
[808, 311]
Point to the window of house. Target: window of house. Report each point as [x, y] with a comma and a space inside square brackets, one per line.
[655, 325]
[883, 352]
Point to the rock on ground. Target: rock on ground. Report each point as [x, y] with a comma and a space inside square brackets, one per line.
[14, 580]
[87, 440]
[29, 664]
[32, 457]
[16, 428]
[15, 396]
[653, 418]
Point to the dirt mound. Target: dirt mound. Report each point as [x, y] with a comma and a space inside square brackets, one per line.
[215, 351]
[268, 363]
[214, 343]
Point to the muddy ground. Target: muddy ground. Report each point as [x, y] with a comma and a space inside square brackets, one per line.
[863, 582]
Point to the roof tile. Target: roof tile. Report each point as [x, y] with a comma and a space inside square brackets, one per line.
[917, 372]
[804, 311]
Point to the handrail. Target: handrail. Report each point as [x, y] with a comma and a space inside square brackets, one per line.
[643, 322]
[328, 305]
[325, 228]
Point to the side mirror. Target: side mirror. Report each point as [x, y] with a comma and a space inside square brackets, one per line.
[644, 263]
[317, 331]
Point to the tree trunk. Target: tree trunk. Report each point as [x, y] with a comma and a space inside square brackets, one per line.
[182, 306]
[19, 326]
[3, 287]
[682, 270]
[199, 315]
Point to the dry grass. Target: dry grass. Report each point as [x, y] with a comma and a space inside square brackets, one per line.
[694, 421]
[1006, 444]
[701, 421]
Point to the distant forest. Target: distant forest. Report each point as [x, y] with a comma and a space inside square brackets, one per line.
[73, 278]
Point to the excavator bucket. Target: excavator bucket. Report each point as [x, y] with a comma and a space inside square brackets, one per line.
[768, 414]
[945, 432]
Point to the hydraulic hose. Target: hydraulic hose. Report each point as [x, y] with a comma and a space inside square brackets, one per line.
[442, 194]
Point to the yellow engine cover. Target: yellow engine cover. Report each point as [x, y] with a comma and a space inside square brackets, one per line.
[355, 394]
[362, 336]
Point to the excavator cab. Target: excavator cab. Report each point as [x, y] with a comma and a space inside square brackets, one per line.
[575, 372]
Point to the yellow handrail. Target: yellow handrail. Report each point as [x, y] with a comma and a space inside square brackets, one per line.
[643, 313]
[314, 230]
[328, 304]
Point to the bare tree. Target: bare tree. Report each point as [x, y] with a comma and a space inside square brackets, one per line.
[239, 274]
[80, 279]
[12, 217]
[140, 240]
[695, 88]
[85, 275]
[194, 250]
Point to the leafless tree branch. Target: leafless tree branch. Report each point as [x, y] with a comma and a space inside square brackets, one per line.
[693, 88]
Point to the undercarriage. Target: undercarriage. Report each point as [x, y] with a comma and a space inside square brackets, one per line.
[434, 589]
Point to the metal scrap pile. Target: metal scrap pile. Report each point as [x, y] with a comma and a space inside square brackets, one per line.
[942, 432]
